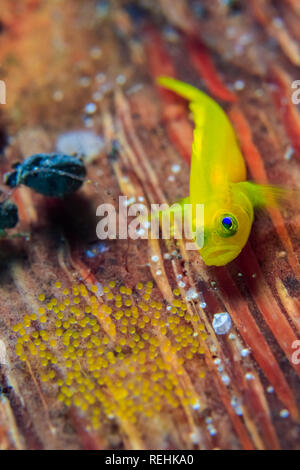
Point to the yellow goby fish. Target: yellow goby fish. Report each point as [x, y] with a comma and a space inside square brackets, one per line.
[218, 179]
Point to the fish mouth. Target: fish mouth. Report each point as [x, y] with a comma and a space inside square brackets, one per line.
[220, 256]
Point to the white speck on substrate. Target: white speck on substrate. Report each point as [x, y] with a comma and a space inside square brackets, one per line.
[96, 249]
[167, 256]
[221, 323]
[288, 153]
[140, 232]
[221, 368]
[100, 78]
[100, 289]
[231, 336]
[170, 34]
[134, 89]
[171, 178]
[141, 207]
[191, 294]
[238, 49]
[146, 224]
[176, 168]
[225, 379]
[90, 108]
[196, 405]
[270, 389]
[212, 430]
[259, 92]
[249, 376]
[194, 437]
[254, 275]
[236, 405]
[3, 353]
[84, 82]
[102, 8]
[106, 88]
[239, 84]
[217, 361]
[131, 200]
[128, 202]
[278, 22]
[202, 303]
[284, 413]
[121, 79]
[231, 32]
[245, 39]
[58, 95]
[141, 199]
[155, 258]
[82, 142]
[240, 274]
[181, 284]
[95, 52]
[88, 122]
[159, 272]
[97, 96]
[245, 352]
[179, 276]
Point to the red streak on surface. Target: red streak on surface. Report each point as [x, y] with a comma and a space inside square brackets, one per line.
[267, 304]
[250, 152]
[238, 424]
[204, 65]
[287, 110]
[255, 395]
[257, 169]
[158, 58]
[17, 17]
[161, 64]
[179, 129]
[88, 278]
[254, 338]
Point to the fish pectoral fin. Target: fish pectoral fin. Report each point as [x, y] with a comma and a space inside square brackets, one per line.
[268, 195]
[183, 201]
[176, 209]
[170, 214]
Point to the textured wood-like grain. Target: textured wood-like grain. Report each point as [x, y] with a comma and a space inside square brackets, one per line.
[245, 55]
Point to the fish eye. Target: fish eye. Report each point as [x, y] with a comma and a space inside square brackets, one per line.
[228, 225]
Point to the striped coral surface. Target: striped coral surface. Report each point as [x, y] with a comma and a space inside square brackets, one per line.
[110, 344]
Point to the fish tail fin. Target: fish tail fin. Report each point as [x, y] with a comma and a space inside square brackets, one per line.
[267, 195]
[189, 92]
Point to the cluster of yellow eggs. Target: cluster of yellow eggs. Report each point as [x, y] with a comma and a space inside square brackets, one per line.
[113, 351]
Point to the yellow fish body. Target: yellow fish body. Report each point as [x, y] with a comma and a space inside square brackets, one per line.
[218, 179]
